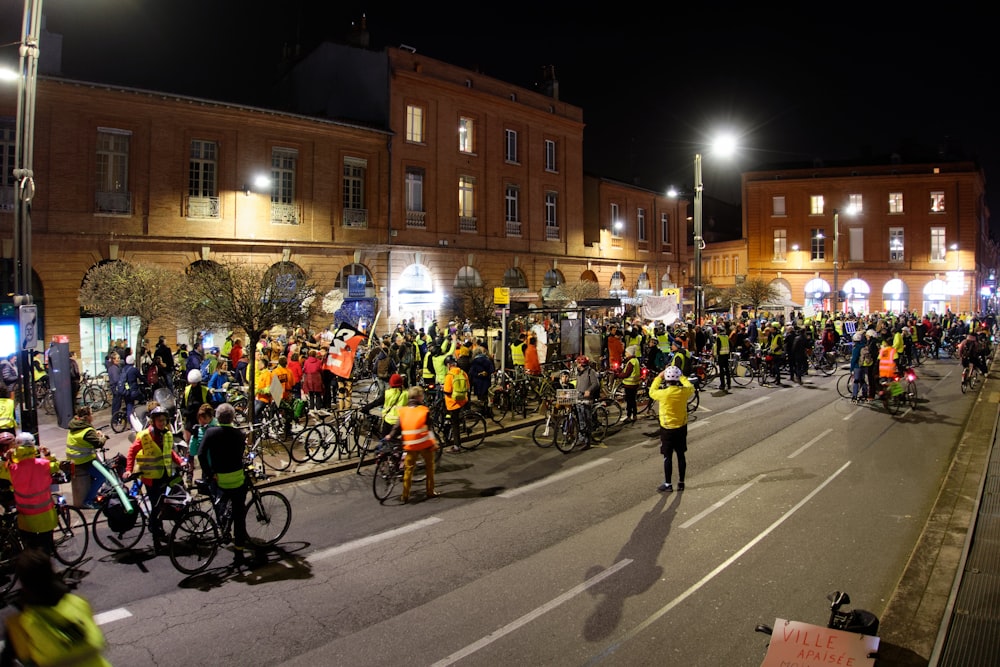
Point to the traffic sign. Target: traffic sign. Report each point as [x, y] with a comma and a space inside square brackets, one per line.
[28, 319]
[501, 296]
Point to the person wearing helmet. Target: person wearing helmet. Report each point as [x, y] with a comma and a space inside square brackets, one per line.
[631, 376]
[899, 345]
[861, 359]
[82, 443]
[671, 389]
[456, 397]
[30, 473]
[223, 447]
[438, 361]
[153, 451]
[588, 387]
[194, 396]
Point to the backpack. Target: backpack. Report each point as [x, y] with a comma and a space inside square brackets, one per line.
[865, 359]
[384, 367]
[460, 387]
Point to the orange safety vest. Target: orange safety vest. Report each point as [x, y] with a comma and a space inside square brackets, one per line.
[413, 424]
[31, 480]
[887, 361]
[153, 461]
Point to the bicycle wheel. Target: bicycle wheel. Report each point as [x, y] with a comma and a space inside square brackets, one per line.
[614, 410]
[274, 452]
[472, 430]
[544, 433]
[114, 540]
[824, 364]
[911, 394]
[268, 516]
[499, 403]
[599, 427]
[194, 542]
[845, 385]
[71, 535]
[642, 401]
[118, 422]
[10, 547]
[366, 445]
[567, 432]
[297, 450]
[94, 398]
[694, 401]
[741, 373]
[386, 474]
[321, 441]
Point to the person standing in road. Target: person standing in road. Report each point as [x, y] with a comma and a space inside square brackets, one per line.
[30, 473]
[164, 358]
[722, 358]
[456, 395]
[114, 370]
[673, 400]
[128, 386]
[631, 375]
[223, 447]
[418, 440]
[860, 360]
[588, 388]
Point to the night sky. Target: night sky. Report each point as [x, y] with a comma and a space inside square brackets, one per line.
[834, 81]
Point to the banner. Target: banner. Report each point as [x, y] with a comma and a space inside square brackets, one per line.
[346, 340]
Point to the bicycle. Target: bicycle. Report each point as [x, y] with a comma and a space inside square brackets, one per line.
[267, 449]
[567, 432]
[198, 535]
[970, 378]
[119, 528]
[320, 441]
[898, 391]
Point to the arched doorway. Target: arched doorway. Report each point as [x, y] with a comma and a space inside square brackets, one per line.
[895, 296]
[416, 296]
[360, 304]
[817, 295]
[98, 334]
[936, 297]
[856, 296]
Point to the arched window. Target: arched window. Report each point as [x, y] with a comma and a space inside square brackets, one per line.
[553, 278]
[468, 277]
[287, 278]
[589, 276]
[357, 280]
[514, 278]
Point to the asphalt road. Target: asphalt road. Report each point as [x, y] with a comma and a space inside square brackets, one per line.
[536, 557]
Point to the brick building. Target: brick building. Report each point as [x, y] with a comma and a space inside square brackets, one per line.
[912, 237]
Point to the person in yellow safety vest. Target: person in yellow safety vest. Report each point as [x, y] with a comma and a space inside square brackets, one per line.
[391, 400]
[31, 479]
[82, 443]
[517, 352]
[631, 375]
[899, 344]
[454, 401]
[153, 450]
[224, 448]
[262, 387]
[434, 369]
[53, 626]
[440, 367]
[8, 421]
[418, 440]
[722, 358]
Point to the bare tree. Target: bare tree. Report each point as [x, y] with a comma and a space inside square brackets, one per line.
[253, 298]
[474, 303]
[755, 291]
[578, 291]
[123, 289]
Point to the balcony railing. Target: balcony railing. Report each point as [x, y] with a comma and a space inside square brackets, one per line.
[202, 207]
[416, 219]
[115, 203]
[514, 228]
[617, 242]
[356, 218]
[551, 233]
[286, 214]
[467, 223]
[7, 198]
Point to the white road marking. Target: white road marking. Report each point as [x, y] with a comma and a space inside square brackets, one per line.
[111, 616]
[714, 573]
[744, 406]
[530, 616]
[716, 505]
[810, 443]
[558, 477]
[372, 539]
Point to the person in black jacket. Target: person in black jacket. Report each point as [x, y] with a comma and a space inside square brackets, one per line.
[223, 447]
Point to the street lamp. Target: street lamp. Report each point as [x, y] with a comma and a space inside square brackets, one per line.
[836, 255]
[725, 146]
[24, 191]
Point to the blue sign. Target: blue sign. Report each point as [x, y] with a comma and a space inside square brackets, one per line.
[356, 287]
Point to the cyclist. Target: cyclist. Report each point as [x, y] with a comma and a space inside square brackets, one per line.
[418, 440]
[970, 352]
[224, 447]
[859, 370]
[153, 450]
[391, 400]
[30, 474]
[456, 396]
[588, 387]
[631, 376]
[82, 442]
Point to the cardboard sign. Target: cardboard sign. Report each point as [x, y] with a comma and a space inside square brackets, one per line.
[795, 644]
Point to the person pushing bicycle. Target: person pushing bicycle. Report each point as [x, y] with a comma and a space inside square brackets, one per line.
[223, 447]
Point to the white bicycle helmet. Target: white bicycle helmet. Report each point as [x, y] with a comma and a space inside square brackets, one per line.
[194, 376]
[672, 374]
[857, 337]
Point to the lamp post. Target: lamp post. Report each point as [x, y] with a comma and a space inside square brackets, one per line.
[836, 260]
[24, 191]
[699, 243]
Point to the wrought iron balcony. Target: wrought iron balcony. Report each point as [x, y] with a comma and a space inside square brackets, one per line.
[356, 218]
[202, 207]
[116, 203]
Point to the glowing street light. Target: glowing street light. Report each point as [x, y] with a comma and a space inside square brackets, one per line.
[724, 145]
[836, 254]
